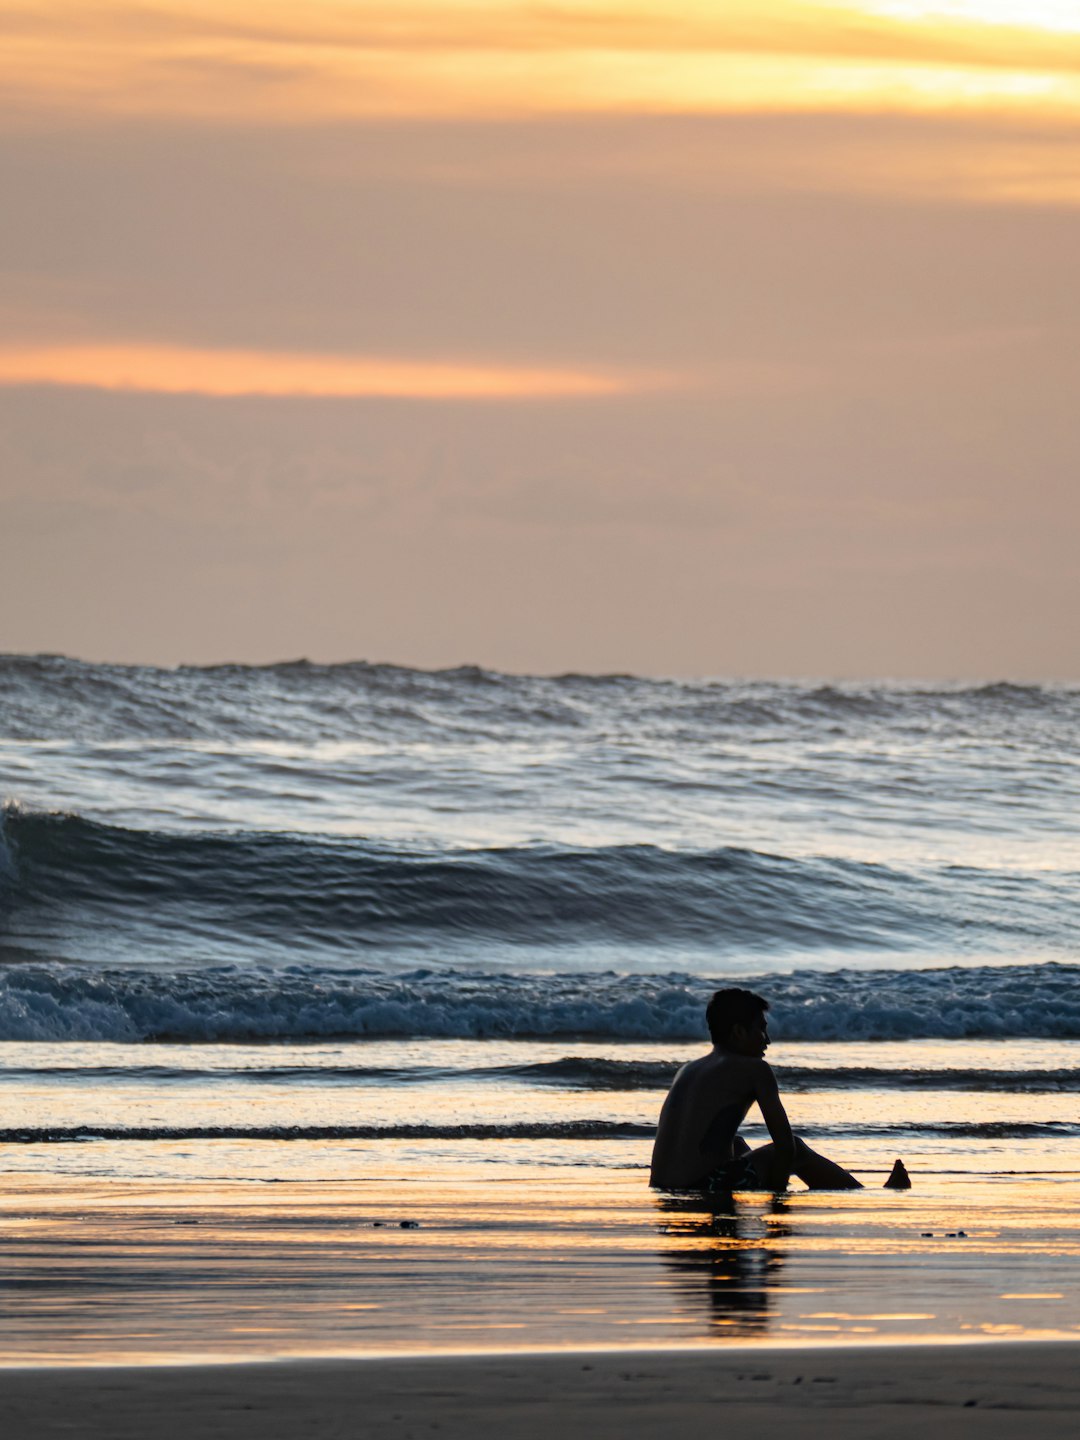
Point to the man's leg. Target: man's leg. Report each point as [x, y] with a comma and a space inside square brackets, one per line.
[815, 1170]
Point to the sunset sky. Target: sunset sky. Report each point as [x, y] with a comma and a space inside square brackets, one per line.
[683, 338]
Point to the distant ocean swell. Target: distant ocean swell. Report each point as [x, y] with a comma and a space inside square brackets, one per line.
[264, 892]
[220, 1004]
[50, 696]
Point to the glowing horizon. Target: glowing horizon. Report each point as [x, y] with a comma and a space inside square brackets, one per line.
[1058, 16]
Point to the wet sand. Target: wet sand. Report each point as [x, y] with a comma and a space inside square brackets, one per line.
[413, 1260]
[985, 1390]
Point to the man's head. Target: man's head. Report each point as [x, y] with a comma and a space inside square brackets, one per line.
[736, 1020]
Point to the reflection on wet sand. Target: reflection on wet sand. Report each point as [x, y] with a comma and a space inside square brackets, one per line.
[723, 1262]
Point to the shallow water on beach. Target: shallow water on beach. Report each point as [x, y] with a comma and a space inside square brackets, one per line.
[946, 1106]
[250, 1200]
[526, 1254]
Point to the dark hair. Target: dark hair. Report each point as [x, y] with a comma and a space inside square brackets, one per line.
[729, 1008]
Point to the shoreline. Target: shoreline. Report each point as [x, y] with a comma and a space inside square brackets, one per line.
[683, 1350]
[950, 1389]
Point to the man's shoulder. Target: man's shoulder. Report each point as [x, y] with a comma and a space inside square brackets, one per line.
[724, 1065]
[754, 1068]
[728, 1068]
[686, 1073]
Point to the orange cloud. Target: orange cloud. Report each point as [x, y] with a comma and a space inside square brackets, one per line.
[176, 370]
[278, 63]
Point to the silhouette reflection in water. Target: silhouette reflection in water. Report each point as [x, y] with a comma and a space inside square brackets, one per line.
[723, 1262]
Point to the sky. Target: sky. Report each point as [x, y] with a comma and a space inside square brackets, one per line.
[662, 336]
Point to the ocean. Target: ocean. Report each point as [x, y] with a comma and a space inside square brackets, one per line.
[402, 933]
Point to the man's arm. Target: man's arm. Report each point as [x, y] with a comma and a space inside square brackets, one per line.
[767, 1093]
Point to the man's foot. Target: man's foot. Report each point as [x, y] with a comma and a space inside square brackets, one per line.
[899, 1179]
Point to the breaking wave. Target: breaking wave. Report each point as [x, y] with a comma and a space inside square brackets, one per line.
[228, 1004]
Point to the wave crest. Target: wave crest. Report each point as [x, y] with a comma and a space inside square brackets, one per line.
[74, 889]
[39, 1002]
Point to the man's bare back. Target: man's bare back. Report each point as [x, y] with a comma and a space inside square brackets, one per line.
[706, 1105]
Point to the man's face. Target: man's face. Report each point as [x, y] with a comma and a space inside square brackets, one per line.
[751, 1039]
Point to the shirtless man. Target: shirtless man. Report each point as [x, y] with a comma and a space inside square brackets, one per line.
[697, 1141]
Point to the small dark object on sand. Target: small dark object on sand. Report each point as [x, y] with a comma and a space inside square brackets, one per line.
[899, 1179]
[410, 1224]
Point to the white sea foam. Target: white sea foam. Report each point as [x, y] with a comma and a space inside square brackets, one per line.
[57, 1003]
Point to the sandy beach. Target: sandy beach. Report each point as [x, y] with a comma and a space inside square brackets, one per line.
[986, 1390]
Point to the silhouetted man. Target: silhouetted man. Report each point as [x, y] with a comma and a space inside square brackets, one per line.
[698, 1145]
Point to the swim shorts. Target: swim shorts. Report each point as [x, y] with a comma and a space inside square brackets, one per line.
[737, 1174]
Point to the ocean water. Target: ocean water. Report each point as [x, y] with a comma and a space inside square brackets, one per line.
[399, 933]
